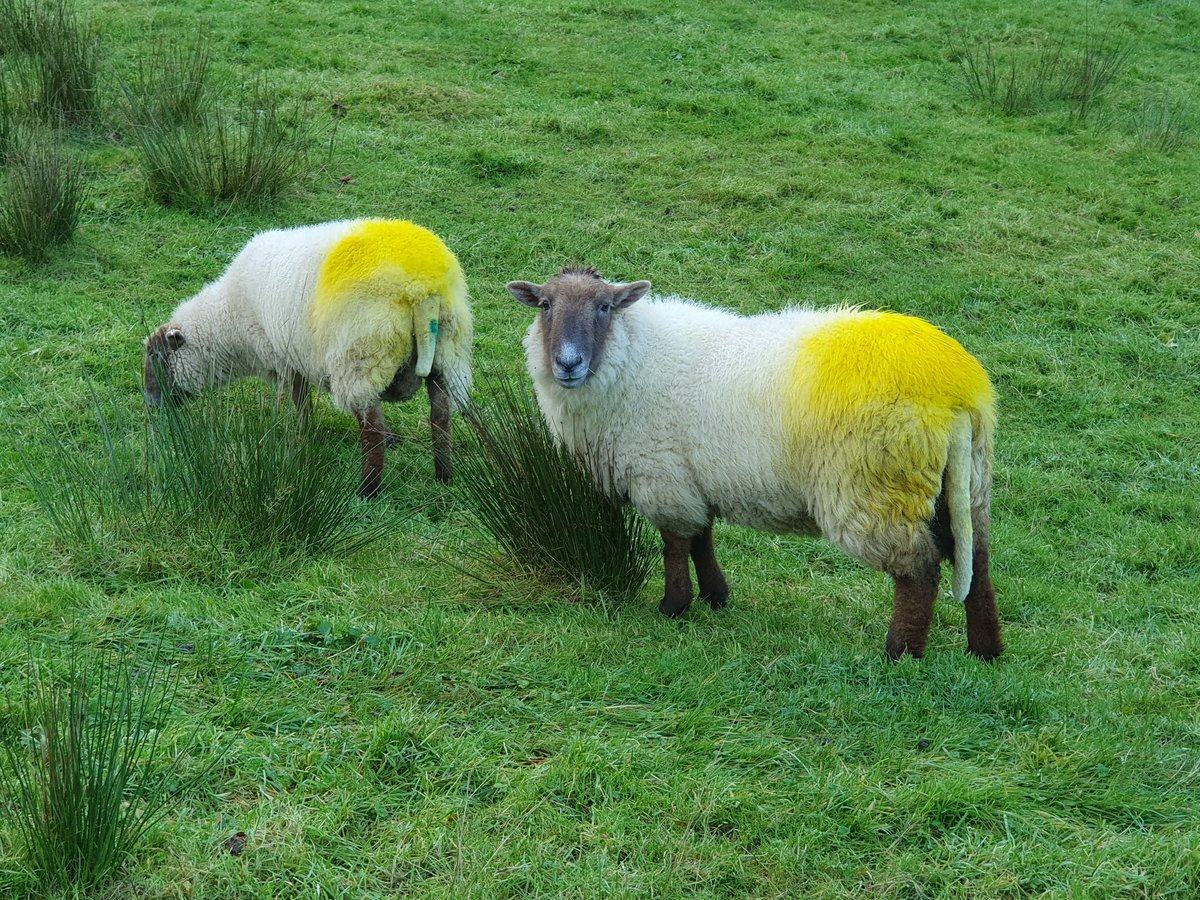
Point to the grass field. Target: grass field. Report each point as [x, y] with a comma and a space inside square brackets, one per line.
[391, 726]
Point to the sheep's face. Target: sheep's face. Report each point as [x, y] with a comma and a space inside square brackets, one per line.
[577, 308]
[169, 367]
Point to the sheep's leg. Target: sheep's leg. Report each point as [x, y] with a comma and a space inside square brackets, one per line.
[912, 610]
[302, 398]
[983, 619]
[711, 580]
[677, 576]
[439, 425]
[373, 437]
[916, 570]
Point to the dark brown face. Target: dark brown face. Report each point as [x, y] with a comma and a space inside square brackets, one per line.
[577, 308]
[159, 348]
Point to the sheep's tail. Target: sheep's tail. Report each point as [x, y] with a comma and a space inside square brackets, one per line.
[425, 329]
[958, 500]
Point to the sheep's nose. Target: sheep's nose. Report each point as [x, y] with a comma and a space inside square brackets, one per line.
[569, 364]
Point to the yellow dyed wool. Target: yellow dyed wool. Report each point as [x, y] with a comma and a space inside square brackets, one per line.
[871, 398]
[370, 285]
[386, 253]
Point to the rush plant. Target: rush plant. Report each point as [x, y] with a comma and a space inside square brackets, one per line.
[240, 156]
[65, 65]
[200, 489]
[43, 197]
[542, 507]
[93, 772]
[168, 86]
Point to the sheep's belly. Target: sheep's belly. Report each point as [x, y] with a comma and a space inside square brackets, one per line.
[782, 519]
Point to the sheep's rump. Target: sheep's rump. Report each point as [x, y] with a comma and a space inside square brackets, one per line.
[380, 293]
[870, 403]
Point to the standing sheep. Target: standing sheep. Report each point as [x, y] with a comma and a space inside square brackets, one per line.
[363, 309]
[871, 428]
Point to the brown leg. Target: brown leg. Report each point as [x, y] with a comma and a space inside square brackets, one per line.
[713, 586]
[983, 619]
[677, 577]
[912, 610]
[302, 397]
[373, 436]
[439, 424]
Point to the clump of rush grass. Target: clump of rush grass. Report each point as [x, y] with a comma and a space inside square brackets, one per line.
[1091, 72]
[1161, 123]
[8, 122]
[221, 487]
[63, 65]
[168, 86]
[93, 772]
[541, 505]
[242, 156]
[22, 23]
[43, 196]
[1015, 86]
[1024, 82]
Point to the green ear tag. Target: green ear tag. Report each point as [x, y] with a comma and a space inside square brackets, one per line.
[433, 326]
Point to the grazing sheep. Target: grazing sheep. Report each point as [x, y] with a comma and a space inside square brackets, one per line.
[363, 309]
[871, 428]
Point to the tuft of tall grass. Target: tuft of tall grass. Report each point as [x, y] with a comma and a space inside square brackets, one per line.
[168, 87]
[64, 66]
[1023, 83]
[1090, 74]
[1015, 86]
[542, 506]
[1162, 123]
[198, 489]
[243, 156]
[94, 773]
[22, 23]
[8, 122]
[43, 197]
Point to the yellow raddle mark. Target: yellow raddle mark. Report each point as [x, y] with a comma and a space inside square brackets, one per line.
[872, 396]
[379, 291]
[383, 253]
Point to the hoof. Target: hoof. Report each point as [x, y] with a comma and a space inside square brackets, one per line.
[895, 652]
[391, 441]
[370, 490]
[986, 654]
[673, 608]
[444, 475]
[717, 601]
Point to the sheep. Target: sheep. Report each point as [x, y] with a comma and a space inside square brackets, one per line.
[363, 309]
[874, 429]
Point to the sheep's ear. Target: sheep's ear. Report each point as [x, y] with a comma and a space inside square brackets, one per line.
[627, 294]
[526, 292]
[174, 338]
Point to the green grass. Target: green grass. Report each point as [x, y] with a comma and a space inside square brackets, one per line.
[397, 728]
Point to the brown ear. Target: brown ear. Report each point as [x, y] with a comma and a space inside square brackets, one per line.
[174, 338]
[526, 292]
[628, 294]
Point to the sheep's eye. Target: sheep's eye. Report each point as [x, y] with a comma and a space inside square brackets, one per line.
[605, 307]
[545, 304]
